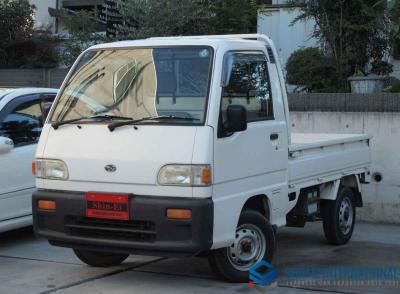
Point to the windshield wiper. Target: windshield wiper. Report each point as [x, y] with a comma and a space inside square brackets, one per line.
[115, 125]
[57, 124]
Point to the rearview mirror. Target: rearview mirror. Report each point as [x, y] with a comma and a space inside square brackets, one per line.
[236, 118]
[6, 145]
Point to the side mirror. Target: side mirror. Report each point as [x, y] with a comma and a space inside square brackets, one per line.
[236, 118]
[45, 105]
[45, 110]
[6, 145]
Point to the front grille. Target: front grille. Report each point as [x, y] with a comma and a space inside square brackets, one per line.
[134, 230]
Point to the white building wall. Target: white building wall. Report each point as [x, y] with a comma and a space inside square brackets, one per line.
[276, 23]
[42, 16]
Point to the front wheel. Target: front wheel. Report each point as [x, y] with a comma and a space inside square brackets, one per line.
[339, 217]
[100, 259]
[254, 242]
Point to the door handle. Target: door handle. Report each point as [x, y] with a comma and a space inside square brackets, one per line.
[274, 136]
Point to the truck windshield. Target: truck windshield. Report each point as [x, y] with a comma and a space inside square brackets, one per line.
[139, 83]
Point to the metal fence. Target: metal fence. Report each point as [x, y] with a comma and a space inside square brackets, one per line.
[326, 102]
[49, 78]
[345, 102]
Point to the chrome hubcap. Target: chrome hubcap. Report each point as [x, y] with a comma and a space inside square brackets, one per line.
[346, 216]
[248, 248]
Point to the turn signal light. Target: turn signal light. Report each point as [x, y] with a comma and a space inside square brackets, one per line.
[47, 205]
[34, 168]
[206, 175]
[179, 213]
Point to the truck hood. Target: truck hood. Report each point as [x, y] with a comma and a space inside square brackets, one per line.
[137, 155]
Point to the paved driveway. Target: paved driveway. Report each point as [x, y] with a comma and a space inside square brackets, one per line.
[30, 265]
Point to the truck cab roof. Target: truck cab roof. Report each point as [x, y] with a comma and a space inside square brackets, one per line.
[215, 41]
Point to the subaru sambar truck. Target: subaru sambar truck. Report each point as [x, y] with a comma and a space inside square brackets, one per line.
[181, 146]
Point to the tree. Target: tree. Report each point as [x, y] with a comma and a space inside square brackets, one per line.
[16, 25]
[235, 16]
[394, 14]
[357, 33]
[136, 19]
[16, 20]
[145, 18]
[81, 26]
[20, 45]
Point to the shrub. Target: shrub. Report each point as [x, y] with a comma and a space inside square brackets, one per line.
[310, 70]
[38, 51]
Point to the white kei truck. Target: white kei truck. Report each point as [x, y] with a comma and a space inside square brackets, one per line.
[181, 147]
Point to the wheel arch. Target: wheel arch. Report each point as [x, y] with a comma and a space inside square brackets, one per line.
[353, 182]
[226, 221]
[329, 191]
[258, 203]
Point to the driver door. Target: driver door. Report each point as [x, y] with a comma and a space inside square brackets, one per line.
[252, 162]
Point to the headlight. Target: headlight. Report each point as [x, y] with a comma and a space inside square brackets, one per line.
[51, 169]
[185, 175]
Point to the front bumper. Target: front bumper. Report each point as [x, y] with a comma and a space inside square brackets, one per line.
[149, 232]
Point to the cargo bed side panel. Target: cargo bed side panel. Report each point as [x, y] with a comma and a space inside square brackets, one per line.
[328, 161]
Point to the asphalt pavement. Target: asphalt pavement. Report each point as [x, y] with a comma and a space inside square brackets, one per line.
[304, 260]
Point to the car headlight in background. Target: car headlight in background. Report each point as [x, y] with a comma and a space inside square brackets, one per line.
[185, 175]
[50, 169]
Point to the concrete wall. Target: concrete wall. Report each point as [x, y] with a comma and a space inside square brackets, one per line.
[381, 199]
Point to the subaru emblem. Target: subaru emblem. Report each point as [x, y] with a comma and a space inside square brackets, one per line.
[110, 168]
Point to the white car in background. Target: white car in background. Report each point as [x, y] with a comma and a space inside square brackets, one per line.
[22, 113]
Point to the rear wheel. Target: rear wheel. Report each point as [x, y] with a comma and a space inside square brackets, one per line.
[339, 217]
[100, 259]
[254, 242]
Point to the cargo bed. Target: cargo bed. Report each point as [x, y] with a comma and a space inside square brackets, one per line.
[318, 158]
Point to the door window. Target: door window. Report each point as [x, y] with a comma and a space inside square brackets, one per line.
[249, 86]
[23, 124]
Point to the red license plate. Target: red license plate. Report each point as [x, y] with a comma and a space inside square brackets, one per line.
[107, 206]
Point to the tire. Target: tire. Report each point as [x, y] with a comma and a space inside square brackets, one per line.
[339, 217]
[254, 233]
[100, 259]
